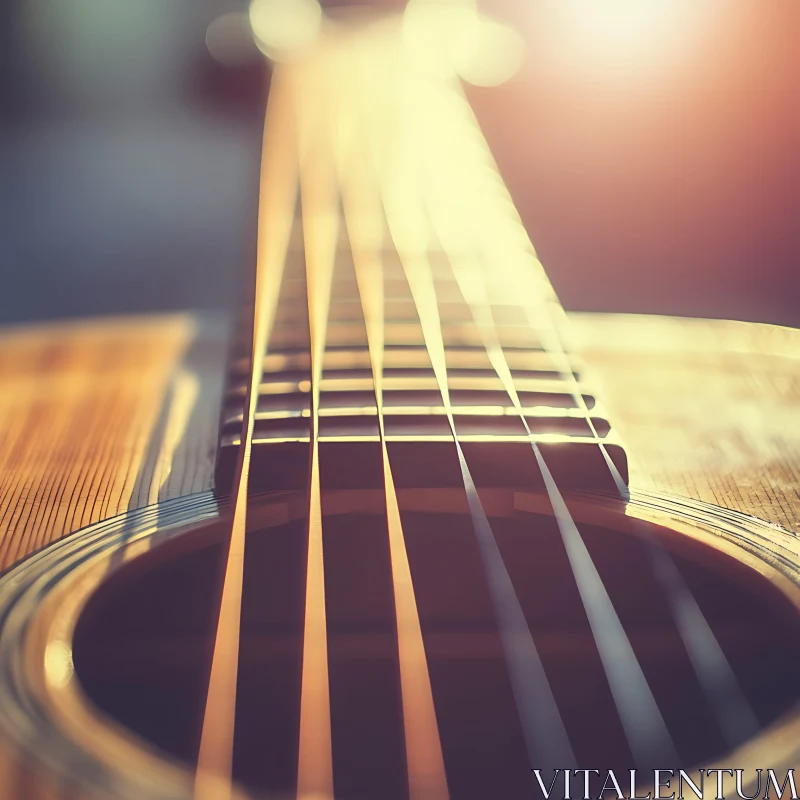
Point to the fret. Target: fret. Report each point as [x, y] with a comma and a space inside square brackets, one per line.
[558, 405]
[345, 386]
[400, 596]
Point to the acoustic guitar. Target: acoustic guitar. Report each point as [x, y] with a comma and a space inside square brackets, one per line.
[381, 539]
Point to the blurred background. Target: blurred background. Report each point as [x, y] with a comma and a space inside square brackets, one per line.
[652, 148]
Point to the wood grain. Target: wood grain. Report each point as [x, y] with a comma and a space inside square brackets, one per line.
[707, 409]
[91, 415]
[104, 416]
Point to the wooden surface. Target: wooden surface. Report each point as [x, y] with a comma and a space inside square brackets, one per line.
[103, 416]
[100, 417]
[707, 409]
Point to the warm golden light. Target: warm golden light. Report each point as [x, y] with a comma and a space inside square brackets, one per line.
[184, 394]
[622, 32]
[213, 780]
[285, 28]
[58, 663]
[490, 55]
[621, 21]
[450, 37]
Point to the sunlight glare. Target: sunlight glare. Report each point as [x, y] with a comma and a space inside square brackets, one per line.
[285, 28]
[623, 30]
[447, 37]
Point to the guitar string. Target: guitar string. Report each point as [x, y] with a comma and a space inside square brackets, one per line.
[320, 219]
[733, 713]
[427, 779]
[543, 728]
[278, 186]
[214, 761]
[642, 720]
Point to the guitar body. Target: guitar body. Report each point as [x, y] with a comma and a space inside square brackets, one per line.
[407, 532]
[105, 418]
[705, 408]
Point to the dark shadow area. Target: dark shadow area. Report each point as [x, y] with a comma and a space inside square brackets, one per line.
[142, 649]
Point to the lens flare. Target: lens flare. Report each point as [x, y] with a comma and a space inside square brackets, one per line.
[285, 28]
[229, 39]
[623, 31]
[451, 37]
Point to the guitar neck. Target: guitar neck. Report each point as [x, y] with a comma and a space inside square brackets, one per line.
[398, 294]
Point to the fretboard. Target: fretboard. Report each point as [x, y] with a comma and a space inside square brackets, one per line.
[400, 294]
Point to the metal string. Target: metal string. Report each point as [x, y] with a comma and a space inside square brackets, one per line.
[213, 780]
[730, 707]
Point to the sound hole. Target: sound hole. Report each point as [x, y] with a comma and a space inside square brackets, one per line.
[143, 645]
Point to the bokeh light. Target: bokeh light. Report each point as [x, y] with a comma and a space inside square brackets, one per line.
[284, 29]
[608, 36]
[229, 39]
[448, 37]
